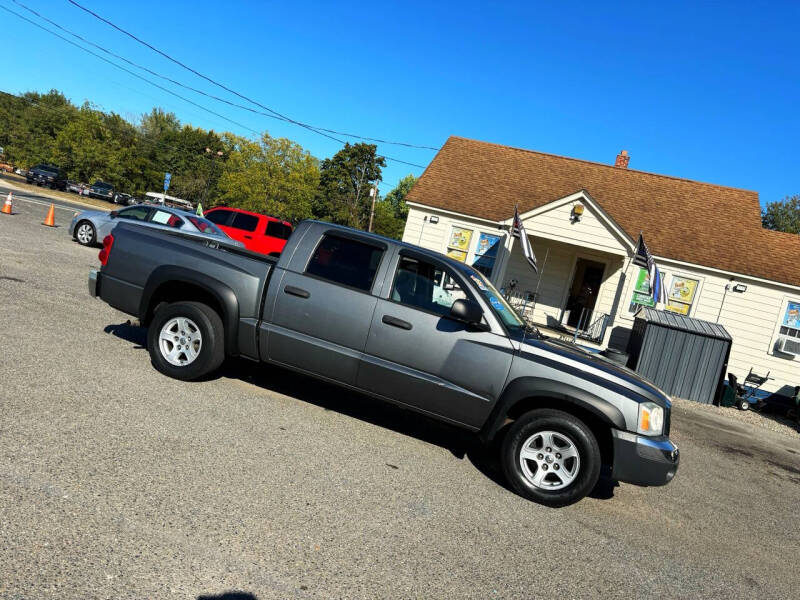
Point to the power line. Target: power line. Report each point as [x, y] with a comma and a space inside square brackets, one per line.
[319, 130]
[228, 119]
[142, 67]
[208, 110]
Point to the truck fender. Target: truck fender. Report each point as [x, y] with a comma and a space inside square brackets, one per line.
[169, 274]
[536, 387]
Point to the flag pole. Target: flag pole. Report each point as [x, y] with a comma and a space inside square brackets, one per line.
[539, 280]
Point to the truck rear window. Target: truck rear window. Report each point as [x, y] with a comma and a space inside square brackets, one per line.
[345, 261]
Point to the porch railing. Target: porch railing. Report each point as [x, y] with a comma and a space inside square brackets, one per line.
[591, 325]
[522, 302]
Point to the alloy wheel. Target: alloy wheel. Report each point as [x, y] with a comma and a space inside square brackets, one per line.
[549, 460]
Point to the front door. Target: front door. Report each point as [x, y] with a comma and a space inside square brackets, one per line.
[417, 355]
[584, 291]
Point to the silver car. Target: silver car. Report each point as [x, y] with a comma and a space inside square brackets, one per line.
[91, 226]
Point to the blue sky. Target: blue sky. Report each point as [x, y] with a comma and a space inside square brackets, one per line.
[696, 90]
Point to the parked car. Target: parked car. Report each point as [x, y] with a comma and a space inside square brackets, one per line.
[20, 171]
[363, 311]
[49, 175]
[102, 190]
[165, 200]
[125, 199]
[74, 186]
[260, 233]
[7, 167]
[89, 226]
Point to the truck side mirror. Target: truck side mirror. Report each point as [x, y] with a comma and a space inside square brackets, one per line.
[113, 214]
[466, 310]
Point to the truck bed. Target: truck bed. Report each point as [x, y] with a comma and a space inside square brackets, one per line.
[148, 264]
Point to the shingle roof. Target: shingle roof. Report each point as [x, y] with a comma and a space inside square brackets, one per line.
[699, 223]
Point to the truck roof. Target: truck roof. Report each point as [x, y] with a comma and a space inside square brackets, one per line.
[386, 240]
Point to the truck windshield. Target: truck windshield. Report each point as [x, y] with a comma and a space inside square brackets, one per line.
[502, 309]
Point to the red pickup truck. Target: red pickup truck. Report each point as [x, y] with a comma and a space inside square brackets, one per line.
[259, 233]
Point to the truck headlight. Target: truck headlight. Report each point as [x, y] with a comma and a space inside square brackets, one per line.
[651, 419]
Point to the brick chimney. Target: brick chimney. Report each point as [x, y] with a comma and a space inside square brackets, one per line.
[622, 160]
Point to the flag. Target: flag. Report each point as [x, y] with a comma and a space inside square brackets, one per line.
[200, 210]
[643, 259]
[518, 231]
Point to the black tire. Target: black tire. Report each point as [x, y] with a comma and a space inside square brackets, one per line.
[90, 241]
[212, 349]
[565, 425]
[743, 404]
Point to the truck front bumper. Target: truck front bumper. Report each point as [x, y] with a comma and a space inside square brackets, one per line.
[94, 283]
[643, 460]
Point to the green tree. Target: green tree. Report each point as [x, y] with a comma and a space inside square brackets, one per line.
[345, 179]
[397, 197]
[30, 124]
[391, 212]
[782, 215]
[272, 175]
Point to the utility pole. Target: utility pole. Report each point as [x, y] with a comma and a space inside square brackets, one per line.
[373, 191]
[213, 155]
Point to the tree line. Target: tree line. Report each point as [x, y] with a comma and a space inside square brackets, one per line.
[270, 175]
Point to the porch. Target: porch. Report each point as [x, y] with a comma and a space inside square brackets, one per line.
[573, 296]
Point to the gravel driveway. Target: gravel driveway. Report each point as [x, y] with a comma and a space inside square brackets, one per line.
[116, 482]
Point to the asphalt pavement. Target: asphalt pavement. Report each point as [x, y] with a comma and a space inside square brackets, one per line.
[117, 482]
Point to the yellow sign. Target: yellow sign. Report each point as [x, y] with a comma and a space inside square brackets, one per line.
[458, 255]
[678, 307]
[682, 290]
[460, 239]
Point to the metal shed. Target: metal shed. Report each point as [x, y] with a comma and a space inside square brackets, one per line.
[685, 357]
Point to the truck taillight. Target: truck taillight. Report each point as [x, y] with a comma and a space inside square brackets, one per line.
[108, 241]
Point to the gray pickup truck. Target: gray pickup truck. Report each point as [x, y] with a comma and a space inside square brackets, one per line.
[401, 324]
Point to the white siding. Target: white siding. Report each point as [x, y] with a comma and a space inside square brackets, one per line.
[555, 223]
[434, 236]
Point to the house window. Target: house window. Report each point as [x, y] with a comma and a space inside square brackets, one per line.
[458, 243]
[486, 253]
[790, 322]
[681, 294]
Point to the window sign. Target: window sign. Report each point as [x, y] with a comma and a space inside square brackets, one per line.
[680, 294]
[458, 244]
[790, 324]
[642, 295]
[486, 253]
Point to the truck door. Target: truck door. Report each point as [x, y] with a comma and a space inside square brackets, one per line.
[323, 308]
[417, 355]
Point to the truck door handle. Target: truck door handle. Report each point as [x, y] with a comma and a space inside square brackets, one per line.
[248, 237]
[395, 322]
[296, 291]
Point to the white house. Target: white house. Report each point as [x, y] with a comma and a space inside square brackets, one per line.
[583, 220]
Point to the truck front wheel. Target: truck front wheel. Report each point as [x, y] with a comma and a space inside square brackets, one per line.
[186, 340]
[551, 457]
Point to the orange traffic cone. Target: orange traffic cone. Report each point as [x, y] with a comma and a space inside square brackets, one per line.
[50, 219]
[7, 205]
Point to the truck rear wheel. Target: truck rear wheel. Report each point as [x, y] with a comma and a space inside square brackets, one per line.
[551, 457]
[186, 340]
